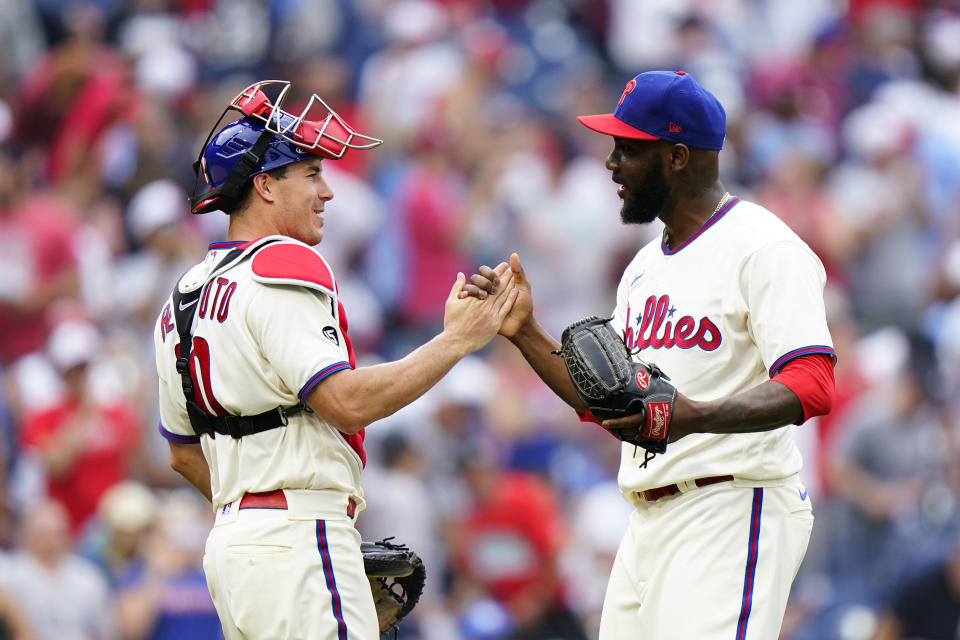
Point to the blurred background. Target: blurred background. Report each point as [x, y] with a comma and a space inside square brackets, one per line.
[843, 119]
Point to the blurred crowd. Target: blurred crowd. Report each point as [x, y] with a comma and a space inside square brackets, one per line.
[843, 118]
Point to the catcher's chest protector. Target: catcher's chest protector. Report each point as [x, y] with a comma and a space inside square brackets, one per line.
[184, 309]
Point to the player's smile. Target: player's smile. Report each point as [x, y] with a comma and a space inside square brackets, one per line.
[623, 189]
[305, 194]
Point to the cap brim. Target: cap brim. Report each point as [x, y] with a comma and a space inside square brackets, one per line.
[612, 126]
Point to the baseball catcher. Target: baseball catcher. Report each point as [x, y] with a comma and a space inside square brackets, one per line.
[397, 576]
[613, 385]
[261, 399]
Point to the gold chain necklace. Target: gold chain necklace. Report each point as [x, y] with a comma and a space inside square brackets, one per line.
[726, 198]
[723, 200]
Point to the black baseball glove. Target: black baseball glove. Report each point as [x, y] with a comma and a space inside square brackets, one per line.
[613, 385]
[396, 576]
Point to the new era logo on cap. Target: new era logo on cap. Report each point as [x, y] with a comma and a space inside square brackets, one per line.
[665, 105]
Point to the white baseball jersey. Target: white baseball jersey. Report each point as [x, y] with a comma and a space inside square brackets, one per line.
[720, 314]
[266, 331]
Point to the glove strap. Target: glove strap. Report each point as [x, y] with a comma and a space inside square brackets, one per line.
[659, 415]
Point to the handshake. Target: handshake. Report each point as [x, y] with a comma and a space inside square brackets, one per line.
[495, 300]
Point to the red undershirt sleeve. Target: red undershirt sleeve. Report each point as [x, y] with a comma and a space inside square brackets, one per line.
[586, 416]
[810, 377]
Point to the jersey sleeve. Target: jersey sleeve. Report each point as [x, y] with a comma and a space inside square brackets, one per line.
[174, 422]
[300, 334]
[783, 286]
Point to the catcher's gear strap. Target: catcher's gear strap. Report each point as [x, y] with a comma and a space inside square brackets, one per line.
[296, 264]
[810, 378]
[184, 309]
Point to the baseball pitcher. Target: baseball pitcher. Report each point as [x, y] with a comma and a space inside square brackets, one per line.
[716, 348]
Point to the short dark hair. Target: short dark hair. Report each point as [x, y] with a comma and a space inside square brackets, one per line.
[246, 190]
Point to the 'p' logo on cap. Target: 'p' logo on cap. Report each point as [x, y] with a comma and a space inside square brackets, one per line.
[627, 89]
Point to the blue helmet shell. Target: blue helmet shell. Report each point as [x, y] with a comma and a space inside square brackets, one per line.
[226, 148]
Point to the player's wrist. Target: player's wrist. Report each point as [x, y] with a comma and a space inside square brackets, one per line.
[456, 344]
[525, 332]
[689, 416]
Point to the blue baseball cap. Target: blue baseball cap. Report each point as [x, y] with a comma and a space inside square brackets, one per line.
[665, 105]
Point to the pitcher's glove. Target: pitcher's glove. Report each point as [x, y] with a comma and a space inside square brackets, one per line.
[396, 576]
[613, 385]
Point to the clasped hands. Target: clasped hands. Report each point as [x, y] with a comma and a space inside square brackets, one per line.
[507, 278]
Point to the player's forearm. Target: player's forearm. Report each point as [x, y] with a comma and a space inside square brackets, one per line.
[537, 346]
[188, 461]
[352, 399]
[767, 406]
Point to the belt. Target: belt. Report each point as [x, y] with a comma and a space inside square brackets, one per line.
[276, 499]
[655, 494]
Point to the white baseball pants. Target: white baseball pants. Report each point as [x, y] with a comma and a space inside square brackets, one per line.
[715, 563]
[289, 574]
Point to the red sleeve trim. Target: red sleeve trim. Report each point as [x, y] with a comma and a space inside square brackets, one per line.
[810, 377]
[586, 416]
[294, 264]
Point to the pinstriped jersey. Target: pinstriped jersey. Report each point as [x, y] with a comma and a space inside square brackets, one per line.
[266, 331]
[720, 314]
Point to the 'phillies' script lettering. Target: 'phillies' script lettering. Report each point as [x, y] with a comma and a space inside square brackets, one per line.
[658, 332]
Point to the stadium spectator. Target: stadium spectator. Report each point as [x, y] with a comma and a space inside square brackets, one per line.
[164, 596]
[60, 594]
[507, 544]
[925, 607]
[36, 258]
[114, 539]
[891, 470]
[84, 442]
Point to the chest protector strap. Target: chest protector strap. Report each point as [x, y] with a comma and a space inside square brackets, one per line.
[184, 309]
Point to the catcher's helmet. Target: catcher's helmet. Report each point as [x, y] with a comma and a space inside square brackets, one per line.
[267, 137]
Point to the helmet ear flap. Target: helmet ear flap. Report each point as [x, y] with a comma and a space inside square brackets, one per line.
[213, 200]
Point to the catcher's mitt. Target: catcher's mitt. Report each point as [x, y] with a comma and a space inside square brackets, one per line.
[396, 576]
[613, 385]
